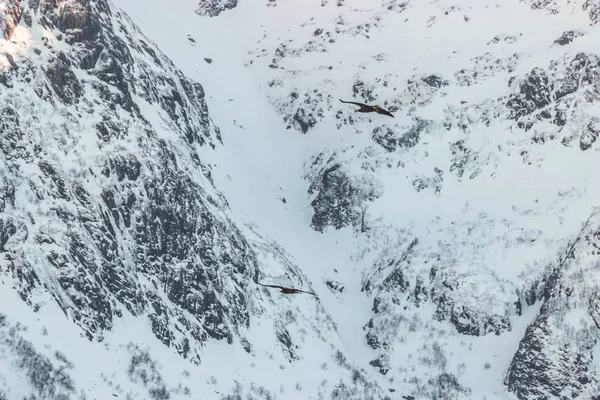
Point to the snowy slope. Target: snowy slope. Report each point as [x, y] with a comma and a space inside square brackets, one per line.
[446, 244]
[444, 225]
[122, 271]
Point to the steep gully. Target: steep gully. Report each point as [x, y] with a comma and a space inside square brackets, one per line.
[261, 163]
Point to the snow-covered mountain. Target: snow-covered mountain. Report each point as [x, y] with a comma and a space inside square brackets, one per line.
[115, 237]
[160, 160]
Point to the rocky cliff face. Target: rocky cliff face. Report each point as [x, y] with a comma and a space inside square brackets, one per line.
[108, 211]
[339, 195]
[556, 356]
[97, 207]
[478, 280]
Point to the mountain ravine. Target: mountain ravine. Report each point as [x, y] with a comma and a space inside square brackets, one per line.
[109, 214]
[159, 160]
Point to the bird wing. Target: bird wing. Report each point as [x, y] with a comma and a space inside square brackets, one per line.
[273, 286]
[356, 104]
[304, 291]
[385, 112]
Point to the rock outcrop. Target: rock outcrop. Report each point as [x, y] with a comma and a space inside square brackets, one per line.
[212, 8]
[556, 356]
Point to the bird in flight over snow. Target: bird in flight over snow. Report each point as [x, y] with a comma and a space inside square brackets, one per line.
[365, 108]
[287, 290]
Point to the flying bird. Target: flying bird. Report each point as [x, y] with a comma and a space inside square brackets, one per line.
[365, 108]
[288, 290]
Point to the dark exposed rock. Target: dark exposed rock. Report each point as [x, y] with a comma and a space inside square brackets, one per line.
[123, 166]
[125, 225]
[10, 18]
[593, 9]
[556, 6]
[435, 81]
[107, 130]
[286, 341]
[567, 37]
[333, 204]
[335, 286]
[302, 111]
[11, 136]
[534, 94]
[594, 309]
[533, 372]
[552, 95]
[7, 229]
[303, 120]
[392, 140]
[79, 20]
[461, 157]
[212, 8]
[56, 184]
[589, 135]
[469, 322]
[502, 38]
[372, 338]
[556, 354]
[360, 89]
[387, 272]
[419, 294]
[7, 196]
[377, 363]
[583, 70]
[446, 295]
[63, 80]
[339, 200]
[396, 291]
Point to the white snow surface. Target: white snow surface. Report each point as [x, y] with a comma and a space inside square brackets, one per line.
[497, 232]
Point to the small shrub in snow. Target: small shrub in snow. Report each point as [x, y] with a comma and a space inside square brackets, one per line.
[340, 359]
[145, 370]
[159, 393]
[439, 358]
[61, 357]
[290, 317]
[444, 386]
[355, 375]
[45, 379]
[261, 392]
[236, 395]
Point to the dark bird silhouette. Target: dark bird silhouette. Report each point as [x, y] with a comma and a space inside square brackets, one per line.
[365, 108]
[288, 290]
